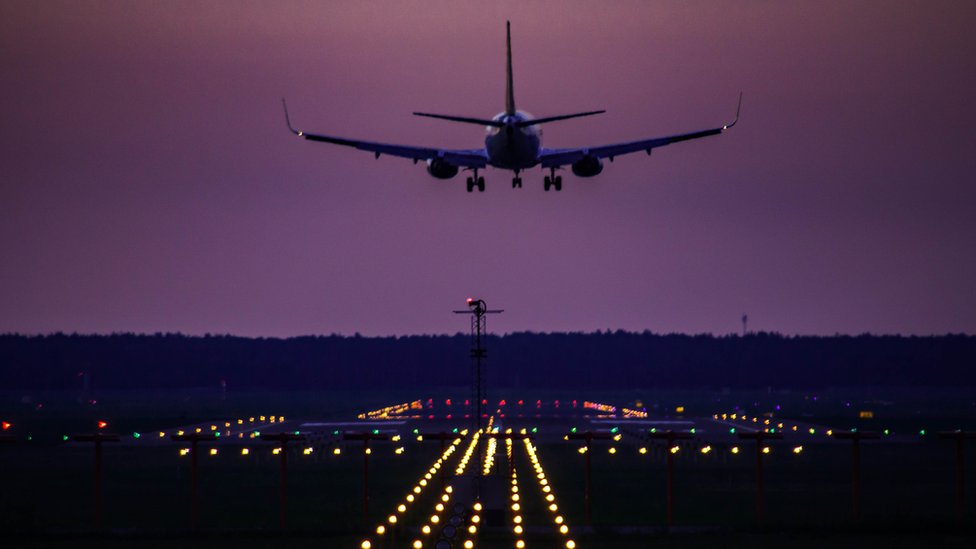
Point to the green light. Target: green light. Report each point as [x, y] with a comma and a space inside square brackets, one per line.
[573, 430]
[922, 432]
[64, 438]
[335, 433]
[257, 433]
[535, 429]
[886, 432]
[416, 431]
[375, 432]
[692, 430]
[29, 438]
[732, 430]
[454, 430]
[217, 434]
[615, 429]
[653, 429]
[136, 435]
[773, 430]
[296, 432]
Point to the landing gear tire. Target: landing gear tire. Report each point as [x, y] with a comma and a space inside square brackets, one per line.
[546, 183]
[481, 184]
[517, 183]
[470, 184]
[558, 183]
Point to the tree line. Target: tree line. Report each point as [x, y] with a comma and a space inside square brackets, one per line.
[600, 360]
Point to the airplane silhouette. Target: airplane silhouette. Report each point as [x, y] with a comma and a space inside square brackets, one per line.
[514, 142]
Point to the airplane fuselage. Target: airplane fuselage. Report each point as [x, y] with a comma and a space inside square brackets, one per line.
[511, 147]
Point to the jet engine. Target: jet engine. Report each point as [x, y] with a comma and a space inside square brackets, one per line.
[440, 169]
[588, 166]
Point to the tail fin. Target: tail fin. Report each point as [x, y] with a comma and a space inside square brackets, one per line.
[509, 92]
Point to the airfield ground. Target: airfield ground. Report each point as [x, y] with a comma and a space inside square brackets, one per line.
[907, 476]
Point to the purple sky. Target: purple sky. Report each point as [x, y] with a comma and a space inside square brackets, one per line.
[148, 183]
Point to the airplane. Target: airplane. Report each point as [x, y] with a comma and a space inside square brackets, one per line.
[513, 142]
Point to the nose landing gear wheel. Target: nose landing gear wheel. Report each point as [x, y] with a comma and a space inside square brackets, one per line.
[517, 183]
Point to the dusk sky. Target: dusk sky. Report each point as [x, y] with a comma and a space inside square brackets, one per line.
[148, 182]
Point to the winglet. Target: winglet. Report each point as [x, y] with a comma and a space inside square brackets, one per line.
[737, 109]
[509, 91]
[288, 120]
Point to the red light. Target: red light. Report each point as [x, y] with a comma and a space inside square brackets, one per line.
[448, 402]
[470, 299]
[502, 403]
[484, 402]
[520, 402]
[5, 425]
[102, 424]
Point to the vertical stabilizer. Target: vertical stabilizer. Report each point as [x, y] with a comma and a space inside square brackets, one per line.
[509, 92]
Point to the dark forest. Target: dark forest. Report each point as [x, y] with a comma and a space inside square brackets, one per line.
[601, 360]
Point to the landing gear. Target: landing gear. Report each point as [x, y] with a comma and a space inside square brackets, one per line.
[517, 181]
[553, 180]
[476, 181]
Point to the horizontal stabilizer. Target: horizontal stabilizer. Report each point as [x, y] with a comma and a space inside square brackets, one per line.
[524, 123]
[465, 119]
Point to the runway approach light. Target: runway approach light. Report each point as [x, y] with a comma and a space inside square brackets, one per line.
[102, 424]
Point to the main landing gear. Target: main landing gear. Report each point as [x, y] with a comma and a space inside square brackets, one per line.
[476, 181]
[553, 180]
[517, 181]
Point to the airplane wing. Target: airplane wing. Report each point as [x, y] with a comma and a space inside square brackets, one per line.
[463, 158]
[554, 158]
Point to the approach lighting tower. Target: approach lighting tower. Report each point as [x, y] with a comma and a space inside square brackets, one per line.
[478, 311]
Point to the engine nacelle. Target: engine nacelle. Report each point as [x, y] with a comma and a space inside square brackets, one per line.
[588, 166]
[440, 169]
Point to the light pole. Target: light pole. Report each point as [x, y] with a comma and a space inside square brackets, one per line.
[365, 437]
[760, 437]
[855, 437]
[97, 439]
[194, 439]
[283, 439]
[670, 437]
[960, 438]
[588, 437]
[478, 310]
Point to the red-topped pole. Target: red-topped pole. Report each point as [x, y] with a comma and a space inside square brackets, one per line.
[97, 439]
